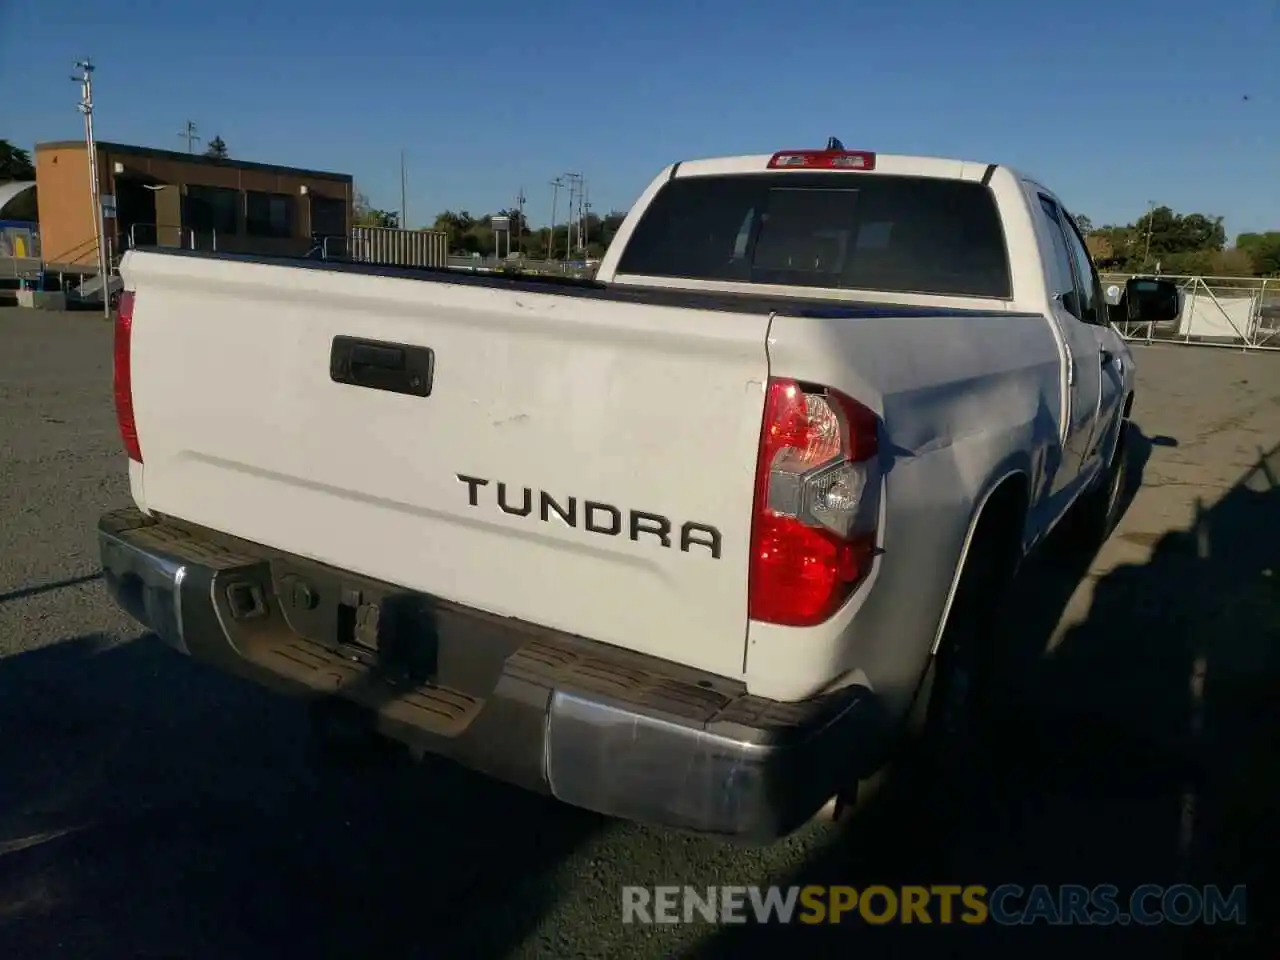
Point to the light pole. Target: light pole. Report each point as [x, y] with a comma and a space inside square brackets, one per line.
[85, 79]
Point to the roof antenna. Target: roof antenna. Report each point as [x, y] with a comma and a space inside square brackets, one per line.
[834, 143]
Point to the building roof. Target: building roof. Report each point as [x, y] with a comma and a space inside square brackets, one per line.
[195, 158]
[8, 191]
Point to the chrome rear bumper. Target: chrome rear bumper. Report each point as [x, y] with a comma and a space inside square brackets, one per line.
[597, 727]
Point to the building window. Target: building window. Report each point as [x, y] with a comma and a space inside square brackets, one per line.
[210, 210]
[328, 217]
[269, 214]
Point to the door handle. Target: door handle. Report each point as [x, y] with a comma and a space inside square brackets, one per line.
[380, 365]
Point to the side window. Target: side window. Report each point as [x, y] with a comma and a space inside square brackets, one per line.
[1072, 286]
[1063, 276]
[1093, 307]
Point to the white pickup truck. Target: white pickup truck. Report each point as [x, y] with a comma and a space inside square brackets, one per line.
[681, 544]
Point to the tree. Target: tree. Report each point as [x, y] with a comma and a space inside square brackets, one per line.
[470, 234]
[15, 163]
[1084, 223]
[1263, 250]
[1195, 231]
[379, 218]
[217, 149]
[1232, 262]
[1100, 248]
[364, 215]
[1191, 243]
[609, 227]
[460, 228]
[1172, 233]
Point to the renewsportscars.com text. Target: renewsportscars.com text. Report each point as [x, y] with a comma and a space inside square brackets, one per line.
[1008, 904]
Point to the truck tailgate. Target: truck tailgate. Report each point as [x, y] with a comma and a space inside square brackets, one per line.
[578, 463]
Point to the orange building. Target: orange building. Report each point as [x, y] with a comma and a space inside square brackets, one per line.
[166, 198]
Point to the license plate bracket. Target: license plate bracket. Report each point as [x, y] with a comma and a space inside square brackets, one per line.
[377, 625]
[358, 623]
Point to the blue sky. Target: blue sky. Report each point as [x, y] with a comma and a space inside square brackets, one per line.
[1111, 105]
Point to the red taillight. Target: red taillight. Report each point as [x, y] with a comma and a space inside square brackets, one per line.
[124, 377]
[823, 160]
[816, 504]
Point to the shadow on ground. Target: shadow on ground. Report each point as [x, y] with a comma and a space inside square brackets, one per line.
[39, 588]
[198, 822]
[1142, 747]
[194, 821]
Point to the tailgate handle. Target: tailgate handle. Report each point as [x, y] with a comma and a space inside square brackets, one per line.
[369, 355]
[378, 365]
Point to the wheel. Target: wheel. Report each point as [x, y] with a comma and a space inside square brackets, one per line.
[954, 706]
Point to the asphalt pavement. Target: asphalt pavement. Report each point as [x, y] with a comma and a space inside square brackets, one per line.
[152, 808]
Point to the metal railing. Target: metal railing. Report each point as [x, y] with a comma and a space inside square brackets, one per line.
[158, 234]
[73, 255]
[388, 246]
[401, 248]
[1242, 313]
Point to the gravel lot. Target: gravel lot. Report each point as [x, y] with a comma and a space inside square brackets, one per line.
[150, 808]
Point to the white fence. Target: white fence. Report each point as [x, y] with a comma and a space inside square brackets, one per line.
[1238, 312]
[401, 248]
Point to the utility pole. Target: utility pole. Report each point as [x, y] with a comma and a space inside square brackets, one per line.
[189, 134]
[575, 196]
[571, 216]
[520, 199]
[556, 184]
[1151, 211]
[85, 79]
[404, 208]
[586, 212]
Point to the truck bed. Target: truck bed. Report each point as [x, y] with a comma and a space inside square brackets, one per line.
[797, 306]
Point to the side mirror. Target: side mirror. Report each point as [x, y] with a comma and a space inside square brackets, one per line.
[1151, 301]
[1112, 295]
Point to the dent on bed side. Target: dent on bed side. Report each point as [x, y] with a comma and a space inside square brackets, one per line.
[961, 421]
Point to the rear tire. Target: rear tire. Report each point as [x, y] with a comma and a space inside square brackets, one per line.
[953, 712]
[954, 706]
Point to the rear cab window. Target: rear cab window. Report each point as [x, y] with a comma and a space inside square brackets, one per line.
[881, 232]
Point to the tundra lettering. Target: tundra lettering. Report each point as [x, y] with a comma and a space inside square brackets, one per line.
[597, 517]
